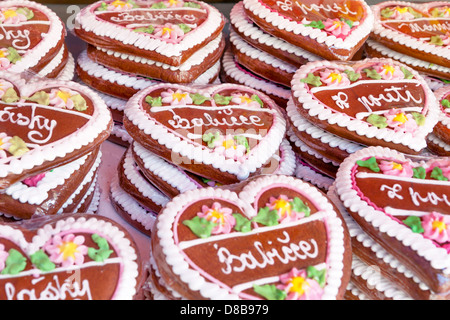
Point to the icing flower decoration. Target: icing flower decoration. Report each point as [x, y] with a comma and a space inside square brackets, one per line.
[33, 181]
[402, 13]
[396, 169]
[436, 227]
[221, 216]
[334, 78]
[4, 61]
[441, 12]
[400, 121]
[3, 257]
[288, 209]
[440, 168]
[440, 40]
[389, 72]
[4, 86]
[66, 98]
[174, 3]
[337, 27]
[12, 16]
[298, 286]
[231, 147]
[119, 5]
[67, 251]
[252, 102]
[175, 98]
[169, 31]
[5, 144]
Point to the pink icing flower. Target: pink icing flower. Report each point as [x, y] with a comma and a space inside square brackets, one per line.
[245, 100]
[334, 78]
[60, 98]
[174, 3]
[33, 181]
[299, 287]
[4, 61]
[4, 85]
[436, 227]
[396, 169]
[282, 205]
[444, 165]
[337, 27]
[400, 121]
[168, 31]
[4, 145]
[229, 147]
[220, 215]
[3, 257]
[67, 251]
[402, 13]
[389, 72]
[119, 5]
[11, 16]
[175, 98]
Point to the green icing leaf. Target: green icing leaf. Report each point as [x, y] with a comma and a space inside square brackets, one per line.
[158, 5]
[407, 73]
[415, 13]
[210, 138]
[267, 217]
[154, 102]
[15, 263]
[373, 74]
[150, 29]
[445, 103]
[103, 7]
[436, 40]
[316, 24]
[437, 174]
[419, 118]
[349, 22]
[242, 223]
[198, 98]
[242, 141]
[352, 75]
[386, 13]
[42, 261]
[414, 223]
[419, 173]
[222, 100]
[377, 121]
[133, 3]
[370, 163]
[318, 275]
[103, 252]
[18, 147]
[13, 55]
[192, 5]
[257, 99]
[79, 103]
[26, 12]
[270, 292]
[41, 97]
[299, 206]
[184, 27]
[312, 80]
[10, 96]
[201, 227]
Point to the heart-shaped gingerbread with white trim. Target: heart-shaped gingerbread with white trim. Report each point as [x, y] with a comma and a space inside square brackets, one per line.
[371, 102]
[403, 203]
[47, 124]
[63, 257]
[224, 132]
[274, 237]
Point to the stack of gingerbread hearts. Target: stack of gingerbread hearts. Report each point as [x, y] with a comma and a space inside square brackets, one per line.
[50, 139]
[337, 108]
[33, 41]
[415, 34]
[187, 138]
[274, 238]
[135, 44]
[397, 210]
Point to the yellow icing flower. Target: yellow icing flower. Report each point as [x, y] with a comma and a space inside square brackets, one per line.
[9, 14]
[282, 205]
[400, 117]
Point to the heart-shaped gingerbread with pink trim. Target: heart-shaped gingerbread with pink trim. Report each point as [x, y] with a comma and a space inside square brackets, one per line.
[371, 102]
[63, 258]
[46, 124]
[253, 242]
[403, 203]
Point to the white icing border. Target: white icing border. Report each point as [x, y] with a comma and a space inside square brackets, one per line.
[318, 179]
[438, 258]
[444, 119]
[318, 110]
[259, 155]
[435, 140]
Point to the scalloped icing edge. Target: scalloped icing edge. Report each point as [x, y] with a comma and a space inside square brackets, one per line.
[260, 154]
[127, 283]
[437, 257]
[440, 94]
[88, 21]
[318, 110]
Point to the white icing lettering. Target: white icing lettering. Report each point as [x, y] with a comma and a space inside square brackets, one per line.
[430, 197]
[20, 38]
[393, 191]
[341, 100]
[427, 27]
[327, 8]
[150, 17]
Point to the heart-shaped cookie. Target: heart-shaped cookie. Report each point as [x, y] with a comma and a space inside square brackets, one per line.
[403, 203]
[334, 30]
[371, 102]
[275, 237]
[46, 124]
[442, 128]
[63, 258]
[223, 132]
[31, 36]
[164, 31]
[417, 30]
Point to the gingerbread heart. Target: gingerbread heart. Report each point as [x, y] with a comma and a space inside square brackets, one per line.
[371, 102]
[442, 128]
[334, 30]
[31, 35]
[223, 132]
[403, 203]
[63, 258]
[254, 243]
[416, 30]
[164, 31]
[46, 124]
